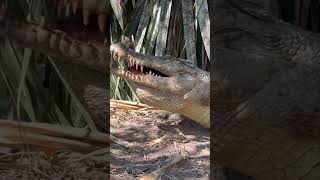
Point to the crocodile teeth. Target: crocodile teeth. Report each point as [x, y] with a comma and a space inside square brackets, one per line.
[141, 68]
[137, 67]
[75, 4]
[29, 18]
[86, 17]
[101, 22]
[42, 21]
[68, 10]
[60, 6]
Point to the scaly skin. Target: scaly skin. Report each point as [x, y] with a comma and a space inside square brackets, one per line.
[75, 41]
[184, 90]
[265, 95]
[56, 43]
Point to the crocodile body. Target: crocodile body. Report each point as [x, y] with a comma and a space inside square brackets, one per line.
[264, 82]
[166, 82]
[75, 39]
[265, 95]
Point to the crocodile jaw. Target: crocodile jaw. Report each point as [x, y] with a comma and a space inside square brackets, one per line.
[174, 86]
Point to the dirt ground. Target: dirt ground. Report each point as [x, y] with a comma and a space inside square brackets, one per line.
[146, 140]
[64, 166]
[150, 138]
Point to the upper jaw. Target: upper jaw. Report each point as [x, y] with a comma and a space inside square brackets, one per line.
[166, 73]
[167, 65]
[176, 84]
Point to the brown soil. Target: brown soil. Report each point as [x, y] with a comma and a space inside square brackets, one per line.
[62, 166]
[146, 140]
[149, 139]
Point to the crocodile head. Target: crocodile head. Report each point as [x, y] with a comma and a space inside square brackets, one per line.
[165, 82]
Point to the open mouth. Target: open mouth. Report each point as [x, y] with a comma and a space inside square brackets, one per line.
[132, 68]
[91, 29]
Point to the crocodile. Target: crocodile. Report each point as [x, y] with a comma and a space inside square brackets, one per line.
[265, 93]
[77, 41]
[166, 82]
[266, 127]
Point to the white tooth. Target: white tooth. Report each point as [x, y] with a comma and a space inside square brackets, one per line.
[137, 67]
[119, 58]
[118, 67]
[68, 10]
[152, 73]
[86, 16]
[141, 68]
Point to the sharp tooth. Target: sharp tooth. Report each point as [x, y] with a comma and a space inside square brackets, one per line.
[60, 7]
[86, 17]
[119, 58]
[68, 10]
[150, 72]
[102, 22]
[137, 67]
[29, 18]
[42, 21]
[141, 68]
[75, 4]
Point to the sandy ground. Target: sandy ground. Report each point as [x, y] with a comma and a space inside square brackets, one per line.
[146, 141]
[151, 138]
[64, 166]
